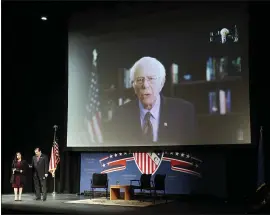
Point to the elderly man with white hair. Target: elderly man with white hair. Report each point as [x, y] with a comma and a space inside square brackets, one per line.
[152, 119]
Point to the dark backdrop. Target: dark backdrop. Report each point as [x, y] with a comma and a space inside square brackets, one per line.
[34, 97]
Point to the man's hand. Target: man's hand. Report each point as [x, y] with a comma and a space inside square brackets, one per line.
[21, 171]
[46, 175]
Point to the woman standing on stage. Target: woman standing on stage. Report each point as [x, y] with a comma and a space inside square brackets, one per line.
[18, 178]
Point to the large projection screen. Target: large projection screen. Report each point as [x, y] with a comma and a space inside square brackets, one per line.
[178, 78]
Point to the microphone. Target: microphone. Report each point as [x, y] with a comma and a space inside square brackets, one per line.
[55, 127]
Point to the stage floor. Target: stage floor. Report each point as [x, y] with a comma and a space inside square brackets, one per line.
[56, 205]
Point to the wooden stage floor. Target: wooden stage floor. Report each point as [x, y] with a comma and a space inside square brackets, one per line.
[56, 205]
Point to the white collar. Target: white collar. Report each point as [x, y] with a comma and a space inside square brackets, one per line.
[154, 111]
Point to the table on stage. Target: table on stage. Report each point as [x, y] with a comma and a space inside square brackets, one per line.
[115, 192]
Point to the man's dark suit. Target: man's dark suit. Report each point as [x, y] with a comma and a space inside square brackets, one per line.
[177, 124]
[40, 168]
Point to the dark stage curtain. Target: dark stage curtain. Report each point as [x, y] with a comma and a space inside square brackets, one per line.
[241, 171]
[70, 172]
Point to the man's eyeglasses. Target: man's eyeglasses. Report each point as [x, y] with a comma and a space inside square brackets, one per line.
[150, 80]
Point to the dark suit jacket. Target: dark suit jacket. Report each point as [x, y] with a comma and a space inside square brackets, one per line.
[40, 167]
[177, 124]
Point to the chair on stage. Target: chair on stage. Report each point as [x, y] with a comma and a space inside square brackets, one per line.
[99, 181]
[159, 185]
[144, 184]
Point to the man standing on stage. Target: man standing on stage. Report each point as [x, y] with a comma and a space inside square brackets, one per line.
[40, 173]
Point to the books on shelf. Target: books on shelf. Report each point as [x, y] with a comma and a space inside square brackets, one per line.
[178, 76]
[220, 102]
[236, 64]
[213, 103]
[122, 101]
[225, 101]
[174, 73]
[127, 100]
[221, 68]
[240, 134]
[210, 75]
[110, 114]
[127, 79]
[216, 68]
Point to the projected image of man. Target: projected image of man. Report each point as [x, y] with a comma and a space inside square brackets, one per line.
[153, 117]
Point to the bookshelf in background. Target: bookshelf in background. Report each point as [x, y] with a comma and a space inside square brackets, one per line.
[117, 95]
[222, 72]
[125, 92]
[217, 93]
